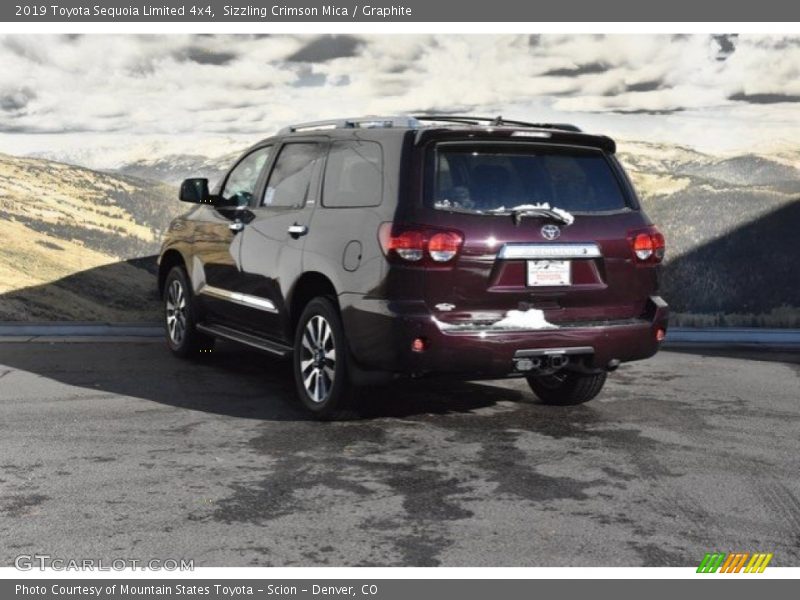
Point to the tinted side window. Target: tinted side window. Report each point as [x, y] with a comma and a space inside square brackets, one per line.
[291, 177]
[353, 175]
[241, 183]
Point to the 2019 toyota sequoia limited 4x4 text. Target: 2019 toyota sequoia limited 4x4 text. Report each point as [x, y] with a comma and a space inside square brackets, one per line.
[375, 248]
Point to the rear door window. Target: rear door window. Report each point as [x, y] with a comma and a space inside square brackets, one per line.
[497, 179]
[290, 181]
[353, 175]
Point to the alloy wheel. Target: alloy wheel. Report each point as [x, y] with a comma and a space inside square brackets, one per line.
[176, 312]
[318, 359]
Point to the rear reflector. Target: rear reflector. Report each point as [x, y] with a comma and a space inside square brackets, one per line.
[660, 334]
[418, 345]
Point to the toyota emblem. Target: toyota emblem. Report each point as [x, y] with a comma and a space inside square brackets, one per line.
[550, 232]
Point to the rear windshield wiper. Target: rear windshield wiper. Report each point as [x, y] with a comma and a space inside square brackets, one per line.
[555, 214]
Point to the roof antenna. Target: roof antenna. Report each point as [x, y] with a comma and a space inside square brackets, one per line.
[498, 121]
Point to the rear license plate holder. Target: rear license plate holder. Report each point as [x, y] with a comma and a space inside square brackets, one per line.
[549, 273]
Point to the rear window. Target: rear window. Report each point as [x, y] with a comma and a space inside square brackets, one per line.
[493, 179]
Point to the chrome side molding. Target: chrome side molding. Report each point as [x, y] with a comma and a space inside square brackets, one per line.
[545, 251]
[248, 300]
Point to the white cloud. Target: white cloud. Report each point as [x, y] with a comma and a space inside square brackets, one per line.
[245, 87]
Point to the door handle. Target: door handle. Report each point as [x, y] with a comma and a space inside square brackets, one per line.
[297, 230]
[236, 226]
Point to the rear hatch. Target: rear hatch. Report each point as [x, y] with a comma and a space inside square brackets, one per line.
[547, 233]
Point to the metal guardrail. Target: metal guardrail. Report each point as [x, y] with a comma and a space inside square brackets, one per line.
[76, 329]
[733, 336]
[676, 336]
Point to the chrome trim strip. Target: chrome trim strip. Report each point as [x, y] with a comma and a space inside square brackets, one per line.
[545, 251]
[554, 351]
[238, 298]
[486, 328]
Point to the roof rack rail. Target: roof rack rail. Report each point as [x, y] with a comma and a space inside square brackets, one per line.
[496, 121]
[415, 122]
[369, 122]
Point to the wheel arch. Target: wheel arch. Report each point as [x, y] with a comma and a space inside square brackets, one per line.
[171, 258]
[309, 285]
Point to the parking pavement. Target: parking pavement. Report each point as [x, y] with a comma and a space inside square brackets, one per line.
[119, 450]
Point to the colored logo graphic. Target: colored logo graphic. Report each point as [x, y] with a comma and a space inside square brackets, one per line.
[734, 562]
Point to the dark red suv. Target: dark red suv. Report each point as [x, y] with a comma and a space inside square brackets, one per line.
[375, 248]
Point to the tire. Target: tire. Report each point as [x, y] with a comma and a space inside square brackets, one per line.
[180, 318]
[320, 363]
[567, 388]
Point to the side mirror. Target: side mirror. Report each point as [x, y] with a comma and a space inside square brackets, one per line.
[196, 191]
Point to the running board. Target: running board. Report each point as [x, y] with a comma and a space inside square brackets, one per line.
[247, 339]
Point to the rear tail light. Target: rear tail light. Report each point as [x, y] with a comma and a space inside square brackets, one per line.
[443, 246]
[648, 245]
[416, 244]
[408, 245]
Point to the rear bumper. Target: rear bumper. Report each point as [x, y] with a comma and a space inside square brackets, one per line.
[381, 335]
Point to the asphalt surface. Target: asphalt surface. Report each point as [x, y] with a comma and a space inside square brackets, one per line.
[118, 450]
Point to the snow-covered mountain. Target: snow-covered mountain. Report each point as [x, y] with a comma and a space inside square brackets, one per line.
[110, 155]
[173, 169]
[675, 162]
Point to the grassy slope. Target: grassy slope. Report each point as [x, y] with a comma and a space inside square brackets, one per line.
[727, 262]
[66, 232]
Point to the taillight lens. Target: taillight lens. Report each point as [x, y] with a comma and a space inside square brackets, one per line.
[659, 245]
[409, 245]
[648, 245]
[643, 246]
[420, 244]
[443, 246]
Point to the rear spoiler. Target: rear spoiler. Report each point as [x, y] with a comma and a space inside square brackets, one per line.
[503, 134]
